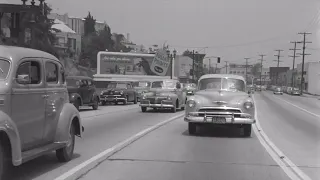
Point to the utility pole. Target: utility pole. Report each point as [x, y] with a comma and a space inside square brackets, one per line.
[209, 66]
[293, 61]
[278, 60]
[226, 67]
[246, 68]
[261, 55]
[193, 71]
[303, 56]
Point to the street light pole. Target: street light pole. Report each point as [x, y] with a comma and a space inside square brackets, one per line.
[171, 58]
[226, 67]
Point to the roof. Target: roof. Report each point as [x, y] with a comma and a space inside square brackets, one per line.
[16, 53]
[19, 2]
[62, 26]
[222, 76]
[78, 77]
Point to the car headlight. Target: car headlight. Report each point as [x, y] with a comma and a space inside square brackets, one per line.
[191, 103]
[169, 98]
[248, 105]
[121, 92]
[144, 97]
[101, 93]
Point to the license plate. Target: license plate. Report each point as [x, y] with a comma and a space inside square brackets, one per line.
[219, 120]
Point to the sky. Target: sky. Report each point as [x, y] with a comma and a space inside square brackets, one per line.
[231, 29]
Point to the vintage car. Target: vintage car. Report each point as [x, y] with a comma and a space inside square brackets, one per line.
[278, 90]
[190, 88]
[35, 114]
[164, 94]
[118, 92]
[295, 91]
[82, 92]
[222, 100]
[141, 87]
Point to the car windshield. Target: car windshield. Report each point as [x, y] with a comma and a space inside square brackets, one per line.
[163, 84]
[4, 68]
[72, 82]
[117, 85]
[190, 85]
[228, 84]
[141, 84]
[296, 89]
[278, 89]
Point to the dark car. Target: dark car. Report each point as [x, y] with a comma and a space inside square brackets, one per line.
[119, 92]
[278, 90]
[295, 91]
[82, 92]
[141, 87]
[190, 88]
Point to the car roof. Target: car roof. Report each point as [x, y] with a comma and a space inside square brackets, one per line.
[78, 77]
[15, 53]
[233, 76]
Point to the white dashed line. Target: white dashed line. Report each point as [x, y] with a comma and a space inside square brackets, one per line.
[91, 163]
[292, 171]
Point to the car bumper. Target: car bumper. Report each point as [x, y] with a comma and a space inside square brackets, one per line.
[113, 99]
[189, 93]
[162, 104]
[229, 119]
[277, 92]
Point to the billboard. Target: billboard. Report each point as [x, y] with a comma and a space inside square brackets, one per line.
[112, 63]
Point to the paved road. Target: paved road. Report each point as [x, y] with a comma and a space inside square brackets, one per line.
[103, 128]
[170, 153]
[293, 124]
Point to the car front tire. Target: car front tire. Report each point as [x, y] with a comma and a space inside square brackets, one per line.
[95, 105]
[143, 109]
[5, 161]
[65, 154]
[192, 128]
[135, 100]
[247, 130]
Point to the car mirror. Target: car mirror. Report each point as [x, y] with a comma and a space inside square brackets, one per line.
[23, 79]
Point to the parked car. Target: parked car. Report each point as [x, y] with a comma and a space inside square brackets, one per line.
[190, 88]
[119, 92]
[82, 92]
[278, 90]
[35, 114]
[289, 90]
[295, 91]
[141, 87]
[221, 100]
[164, 94]
[258, 88]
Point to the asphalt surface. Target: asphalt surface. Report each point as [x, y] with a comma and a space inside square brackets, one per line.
[103, 129]
[292, 123]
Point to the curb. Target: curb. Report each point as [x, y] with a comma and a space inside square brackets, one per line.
[85, 167]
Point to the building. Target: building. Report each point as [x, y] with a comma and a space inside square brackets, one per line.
[67, 39]
[237, 69]
[274, 74]
[183, 67]
[76, 23]
[311, 75]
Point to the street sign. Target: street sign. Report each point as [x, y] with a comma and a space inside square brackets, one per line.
[160, 63]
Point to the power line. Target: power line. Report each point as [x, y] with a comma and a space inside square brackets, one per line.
[278, 60]
[293, 61]
[246, 68]
[304, 42]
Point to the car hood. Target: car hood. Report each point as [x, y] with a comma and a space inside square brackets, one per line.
[190, 89]
[72, 89]
[160, 92]
[140, 89]
[221, 98]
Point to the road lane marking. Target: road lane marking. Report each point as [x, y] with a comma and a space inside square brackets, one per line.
[302, 109]
[292, 171]
[97, 114]
[91, 163]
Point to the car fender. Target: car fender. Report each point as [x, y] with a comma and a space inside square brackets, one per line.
[74, 96]
[67, 115]
[9, 127]
[95, 95]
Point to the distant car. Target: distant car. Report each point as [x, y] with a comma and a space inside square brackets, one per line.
[278, 90]
[141, 87]
[221, 100]
[258, 88]
[190, 88]
[295, 91]
[289, 90]
[119, 92]
[35, 114]
[164, 94]
[82, 92]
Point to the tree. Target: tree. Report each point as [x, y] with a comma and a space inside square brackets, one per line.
[118, 43]
[89, 25]
[256, 69]
[186, 53]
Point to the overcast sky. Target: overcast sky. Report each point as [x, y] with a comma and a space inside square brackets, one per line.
[232, 29]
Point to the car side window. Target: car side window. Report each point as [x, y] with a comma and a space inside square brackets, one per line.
[129, 86]
[84, 83]
[62, 75]
[52, 73]
[178, 85]
[31, 69]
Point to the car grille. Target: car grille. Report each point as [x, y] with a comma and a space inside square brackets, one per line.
[111, 93]
[218, 111]
[155, 100]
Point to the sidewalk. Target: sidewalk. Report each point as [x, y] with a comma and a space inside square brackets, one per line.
[306, 94]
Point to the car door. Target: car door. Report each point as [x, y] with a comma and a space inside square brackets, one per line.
[130, 92]
[57, 96]
[28, 103]
[84, 91]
